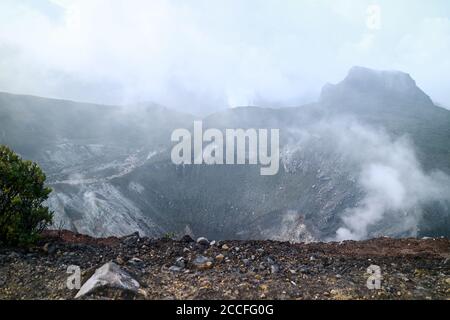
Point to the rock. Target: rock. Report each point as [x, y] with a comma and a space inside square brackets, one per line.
[46, 246]
[212, 243]
[131, 239]
[170, 273]
[187, 239]
[120, 260]
[203, 241]
[49, 248]
[246, 262]
[274, 269]
[110, 275]
[135, 261]
[202, 263]
[134, 235]
[175, 269]
[180, 262]
[225, 247]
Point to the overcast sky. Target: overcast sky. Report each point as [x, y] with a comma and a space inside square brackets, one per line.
[203, 55]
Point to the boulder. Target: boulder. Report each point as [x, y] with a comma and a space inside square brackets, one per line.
[180, 262]
[110, 275]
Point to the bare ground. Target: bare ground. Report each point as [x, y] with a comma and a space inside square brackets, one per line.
[410, 268]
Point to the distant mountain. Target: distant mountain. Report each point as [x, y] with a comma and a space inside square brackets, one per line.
[363, 85]
[392, 100]
[62, 134]
[373, 146]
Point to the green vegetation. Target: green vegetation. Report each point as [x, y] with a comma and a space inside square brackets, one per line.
[169, 236]
[22, 192]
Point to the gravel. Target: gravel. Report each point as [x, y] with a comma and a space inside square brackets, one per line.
[169, 269]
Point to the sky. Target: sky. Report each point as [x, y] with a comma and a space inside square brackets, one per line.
[201, 56]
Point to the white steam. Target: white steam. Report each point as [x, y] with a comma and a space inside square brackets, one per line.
[393, 182]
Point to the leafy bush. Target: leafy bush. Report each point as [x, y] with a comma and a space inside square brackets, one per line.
[22, 192]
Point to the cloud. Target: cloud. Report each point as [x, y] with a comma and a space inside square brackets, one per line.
[201, 56]
[428, 46]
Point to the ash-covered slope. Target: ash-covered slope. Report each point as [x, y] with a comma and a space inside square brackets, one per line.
[370, 158]
[357, 164]
[82, 147]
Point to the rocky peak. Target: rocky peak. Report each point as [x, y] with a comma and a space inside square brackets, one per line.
[364, 85]
[387, 80]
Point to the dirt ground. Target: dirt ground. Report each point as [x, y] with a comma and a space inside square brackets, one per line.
[185, 269]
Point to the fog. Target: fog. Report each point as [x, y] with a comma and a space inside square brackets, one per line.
[201, 56]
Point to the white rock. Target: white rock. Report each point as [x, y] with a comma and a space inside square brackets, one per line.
[203, 240]
[109, 275]
[135, 260]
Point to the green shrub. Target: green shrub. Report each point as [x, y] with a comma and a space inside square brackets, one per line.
[169, 236]
[22, 192]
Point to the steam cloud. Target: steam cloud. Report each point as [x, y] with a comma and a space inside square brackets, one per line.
[394, 184]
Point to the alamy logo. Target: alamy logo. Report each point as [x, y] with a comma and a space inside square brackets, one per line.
[239, 146]
[74, 280]
[373, 21]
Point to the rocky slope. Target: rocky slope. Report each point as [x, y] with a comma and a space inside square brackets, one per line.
[184, 269]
